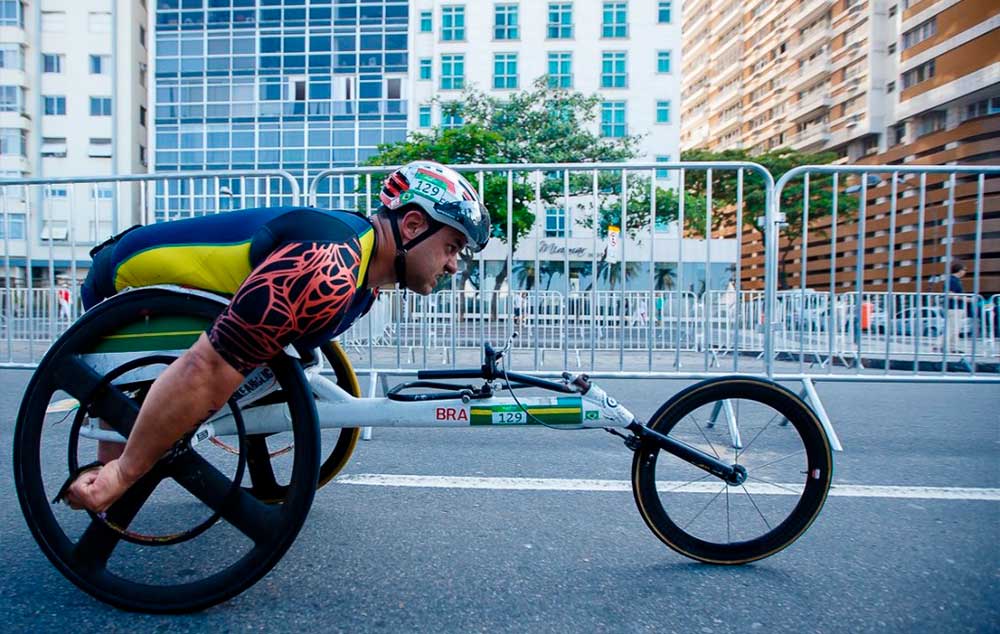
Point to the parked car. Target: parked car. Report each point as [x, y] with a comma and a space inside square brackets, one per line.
[927, 321]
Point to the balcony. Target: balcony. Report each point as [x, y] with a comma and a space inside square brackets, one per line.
[815, 70]
[807, 11]
[809, 106]
[811, 138]
[726, 98]
[728, 18]
[723, 127]
[806, 44]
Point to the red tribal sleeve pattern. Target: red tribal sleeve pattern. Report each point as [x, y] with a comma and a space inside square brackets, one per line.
[299, 289]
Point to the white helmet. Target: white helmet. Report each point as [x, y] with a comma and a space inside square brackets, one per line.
[444, 195]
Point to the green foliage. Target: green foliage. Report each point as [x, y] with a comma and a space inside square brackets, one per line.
[539, 125]
[777, 162]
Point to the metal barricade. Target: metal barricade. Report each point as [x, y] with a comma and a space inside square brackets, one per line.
[75, 213]
[908, 223]
[624, 321]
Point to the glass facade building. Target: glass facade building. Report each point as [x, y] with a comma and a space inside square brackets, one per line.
[276, 84]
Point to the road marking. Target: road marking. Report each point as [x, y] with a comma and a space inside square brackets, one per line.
[559, 484]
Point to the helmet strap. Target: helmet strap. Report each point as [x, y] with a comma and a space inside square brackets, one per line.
[399, 262]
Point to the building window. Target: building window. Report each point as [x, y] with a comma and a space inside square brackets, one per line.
[663, 61]
[53, 21]
[560, 70]
[453, 23]
[11, 56]
[613, 73]
[142, 74]
[426, 21]
[663, 11]
[100, 106]
[56, 191]
[933, 121]
[52, 63]
[615, 20]
[99, 148]
[12, 13]
[555, 222]
[890, 87]
[663, 112]
[54, 105]
[919, 33]
[13, 142]
[425, 116]
[142, 155]
[11, 98]
[505, 70]
[16, 224]
[100, 64]
[425, 68]
[451, 116]
[505, 22]
[142, 116]
[898, 133]
[613, 119]
[99, 22]
[560, 20]
[918, 74]
[983, 108]
[662, 174]
[142, 36]
[452, 72]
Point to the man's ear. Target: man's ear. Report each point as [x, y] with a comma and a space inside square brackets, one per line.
[412, 224]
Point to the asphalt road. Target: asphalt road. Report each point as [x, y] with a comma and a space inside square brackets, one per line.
[452, 559]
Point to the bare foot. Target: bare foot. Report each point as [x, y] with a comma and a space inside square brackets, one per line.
[98, 489]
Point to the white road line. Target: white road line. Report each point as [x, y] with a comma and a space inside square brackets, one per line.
[558, 484]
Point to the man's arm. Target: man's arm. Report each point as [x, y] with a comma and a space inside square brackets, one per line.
[189, 390]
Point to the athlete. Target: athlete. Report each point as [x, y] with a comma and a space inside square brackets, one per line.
[296, 275]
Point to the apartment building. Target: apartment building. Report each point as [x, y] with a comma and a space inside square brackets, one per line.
[941, 106]
[72, 102]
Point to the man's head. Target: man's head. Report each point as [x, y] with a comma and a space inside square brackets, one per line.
[434, 213]
[429, 259]
[957, 267]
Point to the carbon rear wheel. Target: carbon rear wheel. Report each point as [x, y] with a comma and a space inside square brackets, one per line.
[193, 484]
[758, 425]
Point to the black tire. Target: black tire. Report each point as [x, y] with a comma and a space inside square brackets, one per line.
[99, 562]
[789, 471]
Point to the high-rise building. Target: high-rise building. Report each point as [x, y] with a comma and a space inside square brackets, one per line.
[276, 84]
[881, 83]
[72, 103]
[626, 52]
[837, 75]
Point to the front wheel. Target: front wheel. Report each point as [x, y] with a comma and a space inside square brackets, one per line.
[744, 421]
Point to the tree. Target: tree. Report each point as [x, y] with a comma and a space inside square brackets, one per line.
[777, 162]
[538, 125]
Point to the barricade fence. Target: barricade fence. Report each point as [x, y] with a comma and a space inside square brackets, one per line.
[676, 305]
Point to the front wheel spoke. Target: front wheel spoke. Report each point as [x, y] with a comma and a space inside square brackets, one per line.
[778, 485]
[99, 540]
[757, 435]
[798, 452]
[703, 435]
[258, 521]
[704, 508]
[756, 508]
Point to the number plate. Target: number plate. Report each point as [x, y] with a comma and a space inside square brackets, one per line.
[510, 418]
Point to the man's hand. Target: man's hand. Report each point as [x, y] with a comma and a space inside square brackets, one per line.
[98, 489]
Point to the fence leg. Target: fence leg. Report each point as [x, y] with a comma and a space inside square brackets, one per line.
[734, 430]
[373, 382]
[812, 398]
